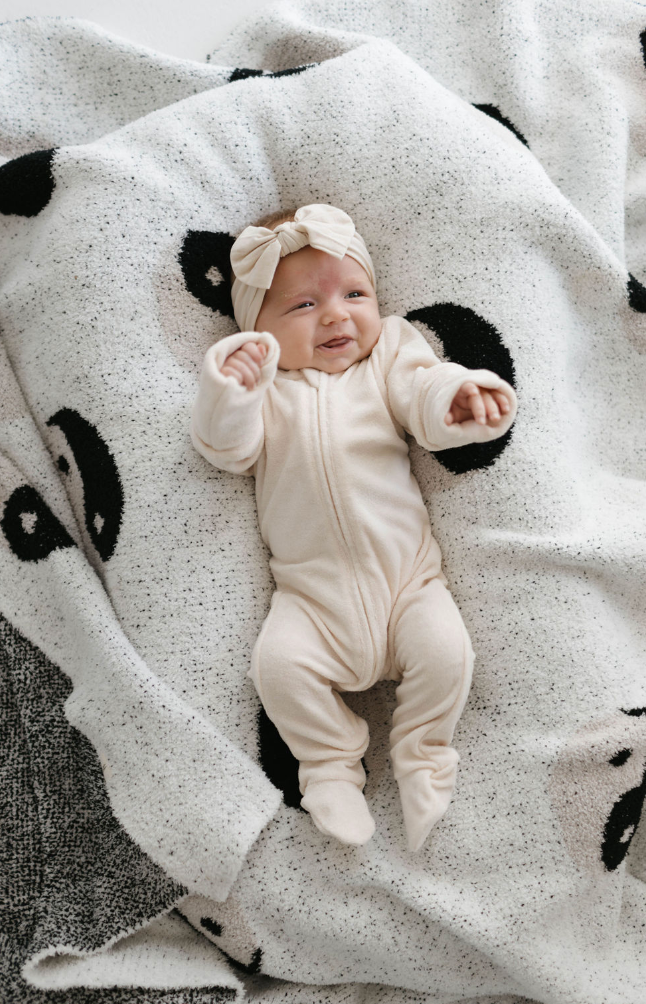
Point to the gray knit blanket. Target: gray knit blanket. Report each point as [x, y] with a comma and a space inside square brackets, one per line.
[152, 844]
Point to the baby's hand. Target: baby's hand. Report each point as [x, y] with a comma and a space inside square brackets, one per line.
[485, 406]
[244, 364]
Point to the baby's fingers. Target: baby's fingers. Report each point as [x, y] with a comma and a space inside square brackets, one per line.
[475, 402]
[250, 371]
[492, 413]
[244, 364]
[242, 368]
[502, 401]
[257, 350]
[233, 368]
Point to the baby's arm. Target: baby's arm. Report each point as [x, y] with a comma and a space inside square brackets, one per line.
[435, 401]
[226, 424]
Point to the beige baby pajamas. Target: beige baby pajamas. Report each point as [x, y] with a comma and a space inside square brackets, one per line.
[360, 595]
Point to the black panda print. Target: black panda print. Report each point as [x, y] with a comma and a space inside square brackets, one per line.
[471, 341]
[242, 73]
[636, 294]
[26, 183]
[625, 814]
[251, 968]
[102, 490]
[277, 760]
[496, 114]
[597, 787]
[206, 266]
[247, 969]
[30, 527]
[279, 763]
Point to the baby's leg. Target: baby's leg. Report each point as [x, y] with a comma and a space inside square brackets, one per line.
[298, 676]
[433, 652]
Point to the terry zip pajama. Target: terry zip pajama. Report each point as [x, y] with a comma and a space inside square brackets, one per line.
[360, 595]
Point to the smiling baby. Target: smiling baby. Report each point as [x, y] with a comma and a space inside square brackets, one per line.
[315, 396]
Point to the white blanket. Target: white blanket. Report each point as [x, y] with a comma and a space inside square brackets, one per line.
[491, 155]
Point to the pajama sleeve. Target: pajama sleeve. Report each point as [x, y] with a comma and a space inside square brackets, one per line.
[226, 422]
[420, 390]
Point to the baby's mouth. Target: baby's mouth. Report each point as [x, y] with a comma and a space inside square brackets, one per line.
[336, 343]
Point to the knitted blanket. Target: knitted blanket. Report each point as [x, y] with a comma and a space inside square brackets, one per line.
[153, 847]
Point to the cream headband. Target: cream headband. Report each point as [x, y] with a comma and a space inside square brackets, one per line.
[256, 253]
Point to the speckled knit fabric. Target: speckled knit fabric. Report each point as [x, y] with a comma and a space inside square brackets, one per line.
[491, 155]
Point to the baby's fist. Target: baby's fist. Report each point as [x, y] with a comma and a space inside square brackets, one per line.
[472, 402]
[244, 364]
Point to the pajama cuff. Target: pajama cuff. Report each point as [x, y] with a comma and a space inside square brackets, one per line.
[458, 434]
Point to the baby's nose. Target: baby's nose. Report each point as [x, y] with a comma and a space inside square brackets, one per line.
[335, 312]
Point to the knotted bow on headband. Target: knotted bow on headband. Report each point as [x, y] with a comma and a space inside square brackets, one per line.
[256, 253]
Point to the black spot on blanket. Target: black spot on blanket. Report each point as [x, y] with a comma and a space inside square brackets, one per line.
[211, 926]
[471, 341]
[252, 968]
[625, 814]
[31, 528]
[102, 491]
[642, 39]
[621, 824]
[291, 70]
[216, 931]
[206, 265]
[277, 760]
[496, 114]
[242, 73]
[26, 183]
[279, 763]
[619, 759]
[636, 294]
[598, 788]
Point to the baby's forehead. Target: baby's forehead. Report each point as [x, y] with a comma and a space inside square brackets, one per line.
[299, 270]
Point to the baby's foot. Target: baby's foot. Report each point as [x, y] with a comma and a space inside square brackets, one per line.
[423, 804]
[339, 810]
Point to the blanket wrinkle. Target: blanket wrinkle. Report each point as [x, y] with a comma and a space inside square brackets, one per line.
[492, 157]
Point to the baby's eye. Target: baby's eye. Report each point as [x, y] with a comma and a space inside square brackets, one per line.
[356, 292]
[306, 303]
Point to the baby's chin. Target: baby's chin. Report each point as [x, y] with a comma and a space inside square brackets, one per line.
[315, 361]
[342, 361]
[315, 364]
[333, 366]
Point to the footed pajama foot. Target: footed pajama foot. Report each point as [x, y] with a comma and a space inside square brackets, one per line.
[424, 798]
[339, 810]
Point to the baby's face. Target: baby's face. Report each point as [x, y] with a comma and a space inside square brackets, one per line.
[322, 311]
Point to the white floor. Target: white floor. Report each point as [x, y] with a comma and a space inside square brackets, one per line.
[185, 28]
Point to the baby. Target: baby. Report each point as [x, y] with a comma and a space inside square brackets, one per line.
[314, 396]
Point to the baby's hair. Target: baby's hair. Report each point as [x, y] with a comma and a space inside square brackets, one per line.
[270, 221]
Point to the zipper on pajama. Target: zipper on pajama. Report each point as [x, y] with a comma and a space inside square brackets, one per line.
[344, 530]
